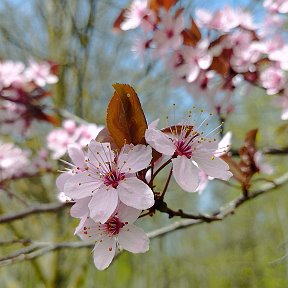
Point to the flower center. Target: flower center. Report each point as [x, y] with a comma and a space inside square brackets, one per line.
[169, 33]
[183, 149]
[113, 178]
[113, 226]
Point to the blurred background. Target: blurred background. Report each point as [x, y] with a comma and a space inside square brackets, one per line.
[244, 250]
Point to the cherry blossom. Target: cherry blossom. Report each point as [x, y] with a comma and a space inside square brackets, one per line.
[168, 36]
[59, 138]
[118, 230]
[137, 15]
[11, 72]
[273, 6]
[111, 177]
[190, 151]
[40, 73]
[13, 161]
[273, 79]
[223, 20]
[195, 59]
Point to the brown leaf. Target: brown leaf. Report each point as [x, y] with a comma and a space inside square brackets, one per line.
[220, 65]
[119, 20]
[157, 4]
[126, 121]
[192, 35]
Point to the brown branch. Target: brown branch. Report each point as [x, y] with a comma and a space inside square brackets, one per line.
[41, 208]
[38, 249]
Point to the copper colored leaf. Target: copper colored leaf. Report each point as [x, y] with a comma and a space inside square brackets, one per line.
[119, 20]
[126, 121]
[157, 4]
[192, 35]
[220, 65]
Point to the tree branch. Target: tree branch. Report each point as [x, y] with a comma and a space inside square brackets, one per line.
[42, 208]
[37, 249]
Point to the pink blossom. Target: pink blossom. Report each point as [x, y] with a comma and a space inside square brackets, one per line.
[11, 72]
[261, 163]
[13, 161]
[273, 79]
[59, 138]
[190, 151]
[168, 36]
[281, 57]
[223, 148]
[117, 230]
[137, 15]
[110, 178]
[40, 73]
[280, 6]
[223, 20]
[195, 59]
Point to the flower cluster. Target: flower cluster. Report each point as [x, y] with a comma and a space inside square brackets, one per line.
[70, 133]
[218, 53]
[111, 187]
[21, 89]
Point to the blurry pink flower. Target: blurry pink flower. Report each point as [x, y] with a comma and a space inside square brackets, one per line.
[169, 36]
[11, 72]
[273, 80]
[190, 151]
[261, 163]
[110, 178]
[13, 161]
[280, 56]
[280, 6]
[40, 73]
[59, 138]
[87, 132]
[117, 230]
[137, 15]
[195, 59]
[223, 20]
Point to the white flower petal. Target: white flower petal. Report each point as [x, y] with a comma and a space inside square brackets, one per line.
[160, 142]
[62, 179]
[135, 193]
[128, 214]
[81, 185]
[103, 204]
[185, 173]
[211, 165]
[80, 208]
[104, 252]
[136, 159]
[76, 154]
[133, 239]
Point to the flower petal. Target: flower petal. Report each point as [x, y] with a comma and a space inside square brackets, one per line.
[62, 179]
[211, 165]
[103, 252]
[81, 185]
[133, 239]
[160, 142]
[80, 208]
[103, 204]
[77, 156]
[185, 173]
[135, 193]
[127, 214]
[136, 159]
